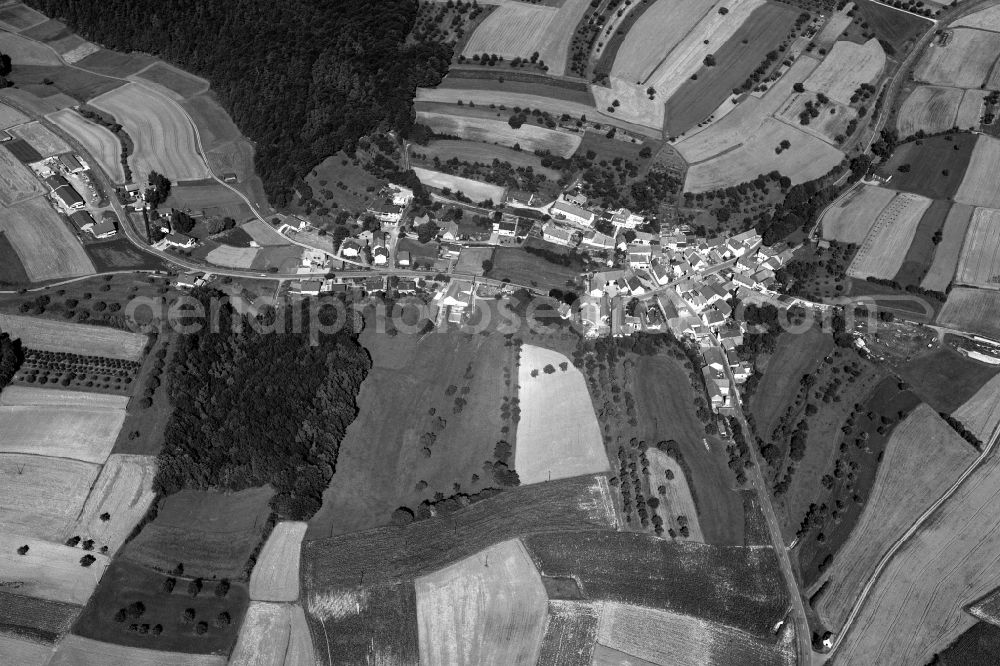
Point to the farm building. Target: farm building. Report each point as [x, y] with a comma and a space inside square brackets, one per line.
[104, 229]
[64, 192]
[72, 163]
[598, 241]
[178, 240]
[570, 212]
[82, 220]
[403, 258]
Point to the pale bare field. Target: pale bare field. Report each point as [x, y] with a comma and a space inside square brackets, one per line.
[852, 219]
[554, 49]
[23, 51]
[300, 648]
[32, 396]
[529, 137]
[77, 54]
[163, 133]
[845, 67]
[671, 639]
[922, 459]
[49, 570]
[558, 435]
[832, 121]
[17, 182]
[264, 234]
[654, 35]
[52, 335]
[275, 577]
[882, 252]
[807, 158]
[62, 432]
[929, 108]
[232, 257]
[915, 608]
[677, 501]
[515, 29]
[570, 632]
[273, 635]
[970, 111]
[834, 26]
[23, 652]
[80, 651]
[47, 247]
[556, 107]
[746, 119]
[687, 57]
[486, 609]
[981, 413]
[946, 253]
[634, 105]
[973, 310]
[102, 145]
[475, 190]
[984, 19]
[41, 496]
[979, 264]
[605, 656]
[124, 490]
[9, 116]
[965, 62]
[980, 186]
[41, 138]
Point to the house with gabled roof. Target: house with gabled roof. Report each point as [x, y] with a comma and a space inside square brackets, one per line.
[557, 235]
[564, 210]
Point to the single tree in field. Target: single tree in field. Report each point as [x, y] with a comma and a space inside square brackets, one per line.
[87, 560]
[23, 550]
[194, 587]
[188, 615]
[105, 517]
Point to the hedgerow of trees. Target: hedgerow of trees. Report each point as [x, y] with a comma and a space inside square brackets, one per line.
[11, 357]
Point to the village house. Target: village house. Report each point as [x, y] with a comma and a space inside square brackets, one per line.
[380, 253]
[178, 240]
[403, 258]
[104, 229]
[625, 218]
[569, 212]
[557, 235]
[350, 248]
[505, 228]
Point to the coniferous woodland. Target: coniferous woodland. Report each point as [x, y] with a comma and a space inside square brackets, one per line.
[302, 79]
[11, 357]
[252, 408]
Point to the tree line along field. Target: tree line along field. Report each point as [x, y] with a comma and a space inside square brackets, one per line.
[923, 458]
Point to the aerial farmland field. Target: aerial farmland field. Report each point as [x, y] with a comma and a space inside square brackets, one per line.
[86, 434]
[9, 116]
[23, 51]
[965, 62]
[554, 48]
[96, 140]
[176, 81]
[233, 257]
[162, 132]
[558, 435]
[273, 634]
[44, 242]
[41, 496]
[920, 254]
[929, 108]
[489, 608]
[275, 576]
[979, 265]
[933, 167]
[970, 112]
[980, 186]
[474, 189]
[882, 252]
[831, 124]
[981, 413]
[80, 651]
[18, 17]
[40, 620]
[123, 492]
[846, 67]
[677, 500]
[57, 336]
[515, 29]
[50, 571]
[947, 252]
[17, 182]
[923, 458]
[23, 652]
[852, 219]
[972, 310]
[41, 138]
[834, 26]
[654, 36]
[570, 633]
[483, 153]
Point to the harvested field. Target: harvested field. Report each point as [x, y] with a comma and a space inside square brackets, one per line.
[529, 137]
[475, 190]
[124, 491]
[923, 458]
[882, 252]
[852, 219]
[365, 625]
[273, 634]
[79, 651]
[570, 633]
[671, 639]
[921, 251]
[677, 500]
[846, 67]
[44, 242]
[264, 234]
[203, 195]
[904, 620]
[390, 554]
[554, 49]
[984, 19]
[472, 152]
[41, 138]
[515, 29]
[898, 29]
[41, 496]
[947, 252]
[48, 81]
[39, 620]
[17, 182]
[30, 396]
[86, 434]
[9, 116]
[654, 36]
[115, 63]
[57, 336]
[16, 17]
[517, 81]
[834, 26]
[49, 571]
[605, 656]
[981, 413]
[979, 264]
[558, 435]
[970, 111]
[980, 187]
[489, 608]
[929, 108]
[37, 106]
[945, 379]
[212, 533]
[233, 257]
[831, 123]
[162, 132]
[102, 145]
[275, 577]
[936, 165]
[731, 585]
[964, 63]
[808, 158]
[177, 82]
[23, 51]
[633, 103]
[23, 652]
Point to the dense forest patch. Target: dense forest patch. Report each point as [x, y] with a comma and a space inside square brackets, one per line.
[301, 79]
